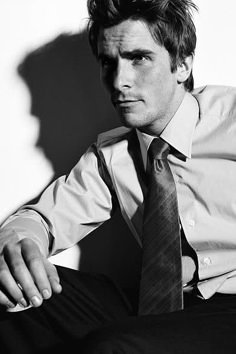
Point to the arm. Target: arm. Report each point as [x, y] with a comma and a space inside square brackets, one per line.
[68, 210]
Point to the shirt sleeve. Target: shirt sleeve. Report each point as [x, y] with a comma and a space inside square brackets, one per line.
[216, 271]
[70, 208]
[215, 262]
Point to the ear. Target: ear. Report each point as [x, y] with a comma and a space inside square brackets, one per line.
[184, 69]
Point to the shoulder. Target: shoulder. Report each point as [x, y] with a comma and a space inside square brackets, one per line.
[213, 99]
[114, 136]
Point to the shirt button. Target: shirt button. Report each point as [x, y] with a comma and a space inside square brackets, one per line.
[191, 223]
[206, 261]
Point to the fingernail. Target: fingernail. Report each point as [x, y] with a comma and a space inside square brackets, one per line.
[46, 294]
[35, 301]
[23, 303]
[58, 287]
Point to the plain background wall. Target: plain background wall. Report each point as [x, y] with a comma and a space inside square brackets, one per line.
[52, 107]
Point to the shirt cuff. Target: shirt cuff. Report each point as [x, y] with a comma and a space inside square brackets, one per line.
[25, 227]
[214, 263]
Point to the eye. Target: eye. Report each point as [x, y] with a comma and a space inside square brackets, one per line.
[139, 59]
[106, 63]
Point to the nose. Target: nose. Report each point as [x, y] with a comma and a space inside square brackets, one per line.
[122, 76]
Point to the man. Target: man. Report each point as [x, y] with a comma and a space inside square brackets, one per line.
[145, 50]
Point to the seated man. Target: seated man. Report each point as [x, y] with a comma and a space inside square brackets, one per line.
[170, 169]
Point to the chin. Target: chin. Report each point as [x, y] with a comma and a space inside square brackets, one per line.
[131, 122]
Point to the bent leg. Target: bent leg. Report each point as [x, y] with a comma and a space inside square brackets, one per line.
[208, 327]
[87, 301]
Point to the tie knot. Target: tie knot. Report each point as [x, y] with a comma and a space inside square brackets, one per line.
[159, 149]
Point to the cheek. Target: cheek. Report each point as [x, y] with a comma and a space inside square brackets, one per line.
[152, 76]
[158, 89]
[161, 83]
[153, 85]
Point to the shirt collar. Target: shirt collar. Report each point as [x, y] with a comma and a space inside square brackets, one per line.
[179, 131]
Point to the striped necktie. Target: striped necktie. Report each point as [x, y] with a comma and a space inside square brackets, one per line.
[161, 276]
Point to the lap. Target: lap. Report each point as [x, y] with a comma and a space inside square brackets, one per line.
[92, 312]
[206, 327]
[87, 301]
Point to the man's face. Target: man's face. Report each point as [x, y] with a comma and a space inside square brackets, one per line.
[136, 72]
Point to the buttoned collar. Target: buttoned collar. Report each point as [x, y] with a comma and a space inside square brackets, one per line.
[179, 131]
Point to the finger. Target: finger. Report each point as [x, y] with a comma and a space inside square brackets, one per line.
[30, 290]
[34, 262]
[10, 288]
[53, 276]
[22, 275]
[6, 302]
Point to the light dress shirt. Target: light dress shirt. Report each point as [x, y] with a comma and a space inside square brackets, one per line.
[203, 133]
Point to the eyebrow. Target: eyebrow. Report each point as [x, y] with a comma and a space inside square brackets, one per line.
[137, 52]
[128, 53]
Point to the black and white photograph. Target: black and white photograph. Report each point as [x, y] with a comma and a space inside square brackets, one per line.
[118, 177]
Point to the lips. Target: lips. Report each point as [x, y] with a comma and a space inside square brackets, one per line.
[124, 101]
[120, 98]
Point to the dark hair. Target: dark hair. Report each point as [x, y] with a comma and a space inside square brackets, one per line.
[169, 21]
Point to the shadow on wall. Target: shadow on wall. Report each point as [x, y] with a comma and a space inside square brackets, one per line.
[71, 105]
[67, 97]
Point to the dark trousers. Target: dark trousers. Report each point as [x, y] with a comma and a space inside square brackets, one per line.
[92, 315]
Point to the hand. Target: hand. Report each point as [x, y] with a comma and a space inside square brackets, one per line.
[188, 268]
[26, 276]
